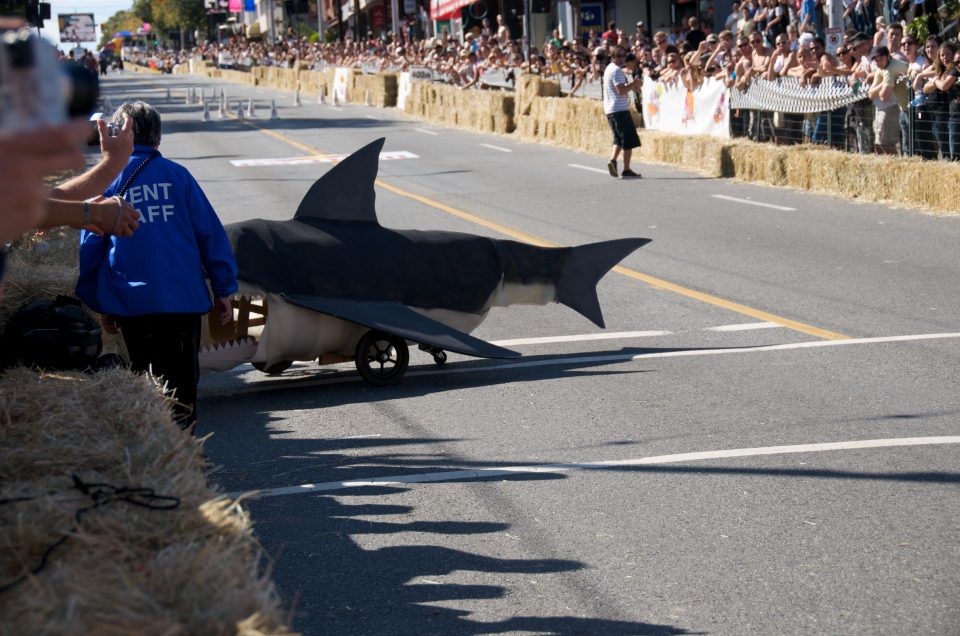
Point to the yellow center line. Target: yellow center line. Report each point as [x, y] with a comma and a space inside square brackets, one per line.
[653, 281]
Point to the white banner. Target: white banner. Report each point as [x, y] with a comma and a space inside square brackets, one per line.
[341, 80]
[403, 89]
[671, 108]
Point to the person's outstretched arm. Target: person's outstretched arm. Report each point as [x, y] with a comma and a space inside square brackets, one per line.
[116, 152]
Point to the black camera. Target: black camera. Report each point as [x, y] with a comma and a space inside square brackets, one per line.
[35, 88]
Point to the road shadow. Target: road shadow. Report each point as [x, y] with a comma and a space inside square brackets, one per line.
[332, 566]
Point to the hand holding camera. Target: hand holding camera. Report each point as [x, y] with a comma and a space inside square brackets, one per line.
[116, 141]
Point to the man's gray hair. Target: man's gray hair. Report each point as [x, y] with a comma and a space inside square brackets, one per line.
[146, 122]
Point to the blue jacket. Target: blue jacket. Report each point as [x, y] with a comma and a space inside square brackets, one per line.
[163, 267]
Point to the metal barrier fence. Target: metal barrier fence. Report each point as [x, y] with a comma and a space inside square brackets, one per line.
[929, 127]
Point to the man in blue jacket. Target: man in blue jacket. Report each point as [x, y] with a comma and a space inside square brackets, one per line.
[152, 286]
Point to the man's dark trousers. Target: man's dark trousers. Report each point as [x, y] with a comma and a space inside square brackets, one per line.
[167, 345]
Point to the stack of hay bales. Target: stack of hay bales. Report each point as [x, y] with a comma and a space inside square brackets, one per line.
[381, 87]
[479, 110]
[121, 568]
[117, 567]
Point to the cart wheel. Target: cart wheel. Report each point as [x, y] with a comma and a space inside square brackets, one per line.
[274, 369]
[382, 358]
[439, 355]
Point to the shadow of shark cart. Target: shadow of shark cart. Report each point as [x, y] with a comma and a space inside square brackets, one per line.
[333, 285]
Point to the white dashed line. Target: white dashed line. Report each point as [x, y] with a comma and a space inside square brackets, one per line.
[749, 202]
[581, 338]
[426, 132]
[746, 327]
[372, 117]
[577, 165]
[495, 148]
[337, 108]
[482, 473]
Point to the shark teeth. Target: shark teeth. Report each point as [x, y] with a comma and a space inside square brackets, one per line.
[232, 347]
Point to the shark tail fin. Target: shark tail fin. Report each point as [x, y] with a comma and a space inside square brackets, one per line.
[585, 266]
[346, 192]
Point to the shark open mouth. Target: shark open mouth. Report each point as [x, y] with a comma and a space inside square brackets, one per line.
[224, 347]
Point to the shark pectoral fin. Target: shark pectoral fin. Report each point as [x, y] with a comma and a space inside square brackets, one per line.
[400, 320]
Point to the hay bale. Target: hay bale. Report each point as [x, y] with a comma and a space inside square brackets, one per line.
[191, 569]
[761, 162]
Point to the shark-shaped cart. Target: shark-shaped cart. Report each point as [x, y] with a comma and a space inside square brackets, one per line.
[333, 285]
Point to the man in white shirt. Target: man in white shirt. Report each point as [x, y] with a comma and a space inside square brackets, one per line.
[616, 107]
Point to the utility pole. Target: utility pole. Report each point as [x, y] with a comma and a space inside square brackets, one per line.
[321, 28]
[527, 28]
[271, 32]
[395, 18]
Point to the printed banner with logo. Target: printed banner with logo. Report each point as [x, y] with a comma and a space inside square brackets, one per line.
[672, 108]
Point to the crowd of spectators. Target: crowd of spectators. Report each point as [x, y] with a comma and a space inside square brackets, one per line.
[766, 39]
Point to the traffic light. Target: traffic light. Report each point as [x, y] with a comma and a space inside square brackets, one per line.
[37, 12]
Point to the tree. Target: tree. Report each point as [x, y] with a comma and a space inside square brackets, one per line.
[167, 15]
[119, 21]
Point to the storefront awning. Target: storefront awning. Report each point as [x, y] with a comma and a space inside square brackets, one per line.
[444, 9]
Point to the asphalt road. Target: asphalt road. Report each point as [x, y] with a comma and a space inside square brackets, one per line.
[760, 442]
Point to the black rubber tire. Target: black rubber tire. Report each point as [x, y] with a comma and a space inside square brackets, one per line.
[440, 358]
[274, 369]
[382, 358]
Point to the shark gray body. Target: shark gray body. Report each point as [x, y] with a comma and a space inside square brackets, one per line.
[334, 260]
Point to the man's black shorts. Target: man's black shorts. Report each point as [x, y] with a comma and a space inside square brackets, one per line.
[624, 132]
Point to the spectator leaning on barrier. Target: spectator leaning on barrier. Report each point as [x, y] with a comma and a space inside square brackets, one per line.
[617, 109]
[152, 286]
[924, 136]
[889, 97]
[861, 113]
[942, 92]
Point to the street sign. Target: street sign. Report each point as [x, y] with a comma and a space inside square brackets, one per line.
[834, 38]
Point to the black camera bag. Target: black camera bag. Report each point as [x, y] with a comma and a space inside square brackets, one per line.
[52, 334]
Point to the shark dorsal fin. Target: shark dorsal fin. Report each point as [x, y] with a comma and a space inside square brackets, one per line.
[345, 193]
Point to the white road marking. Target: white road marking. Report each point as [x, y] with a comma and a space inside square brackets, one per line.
[577, 165]
[749, 202]
[372, 117]
[495, 148]
[608, 358]
[335, 108]
[746, 327]
[580, 338]
[482, 473]
[303, 161]
[426, 132]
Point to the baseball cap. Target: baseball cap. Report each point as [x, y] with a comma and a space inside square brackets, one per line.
[639, 24]
[712, 38]
[859, 38]
[806, 38]
[879, 50]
